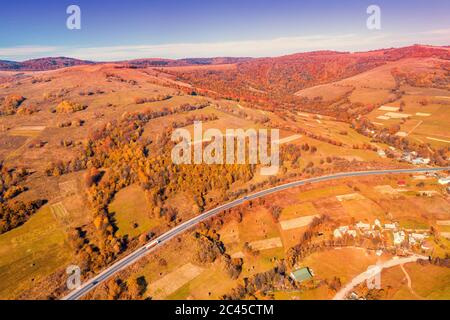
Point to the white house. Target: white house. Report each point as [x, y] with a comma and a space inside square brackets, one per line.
[421, 161]
[337, 234]
[444, 181]
[418, 236]
[381, 153]
[376, 223]
[352, 233]
[399, 237]
[370, 233]
[363, 226]
[390, 226]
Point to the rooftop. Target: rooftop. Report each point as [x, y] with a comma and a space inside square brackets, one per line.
[302, 274]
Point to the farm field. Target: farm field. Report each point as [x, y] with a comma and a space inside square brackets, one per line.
[272, 243]
[88, 177]
[132, 212]
[32, 252]
[420, 285]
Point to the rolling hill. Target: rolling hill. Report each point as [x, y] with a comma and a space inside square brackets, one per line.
[42, 64]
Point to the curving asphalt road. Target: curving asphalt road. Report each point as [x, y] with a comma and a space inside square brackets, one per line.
[152, 245]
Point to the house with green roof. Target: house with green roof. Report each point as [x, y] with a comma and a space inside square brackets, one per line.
[302, 274]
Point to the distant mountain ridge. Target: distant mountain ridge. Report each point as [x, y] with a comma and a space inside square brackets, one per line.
[155, 62]
[42, 64]
[52, 63]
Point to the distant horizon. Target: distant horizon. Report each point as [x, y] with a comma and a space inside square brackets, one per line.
[115, 30]
[224, 57]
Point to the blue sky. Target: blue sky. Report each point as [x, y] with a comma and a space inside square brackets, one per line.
[116, 30]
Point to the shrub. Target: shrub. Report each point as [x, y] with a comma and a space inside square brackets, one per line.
[10, 104]
[69, 107]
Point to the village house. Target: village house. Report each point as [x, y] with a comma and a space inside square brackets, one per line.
[343, 229]
[372, 233]
[419, 236]
[390, 226]
[352, 233]
[340, 231]
[399, 237]
[376, 223]
[416, 238]
[363, 226]
[408, 156]
[381, 153]
[337, 233]
[418, 161]
[401, 183]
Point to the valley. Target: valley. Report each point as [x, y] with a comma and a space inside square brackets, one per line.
[88, 180]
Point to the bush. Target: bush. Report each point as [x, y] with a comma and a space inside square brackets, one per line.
[69, 107]
[9, 105]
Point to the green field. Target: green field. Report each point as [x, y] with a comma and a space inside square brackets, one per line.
[298, 210]
[31, 252]
[132, 212]
[325, 192]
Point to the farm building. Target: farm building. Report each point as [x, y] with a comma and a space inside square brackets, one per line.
[337, 233]
[363, 226]
[352, 233]
[302, 274]
[376, 223]
[399, 237]
[421, 161]
[390, 226]
[401, 183]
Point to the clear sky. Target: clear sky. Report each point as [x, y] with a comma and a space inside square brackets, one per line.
[116, 30]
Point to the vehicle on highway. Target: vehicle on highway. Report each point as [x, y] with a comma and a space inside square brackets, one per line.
[152, 244]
